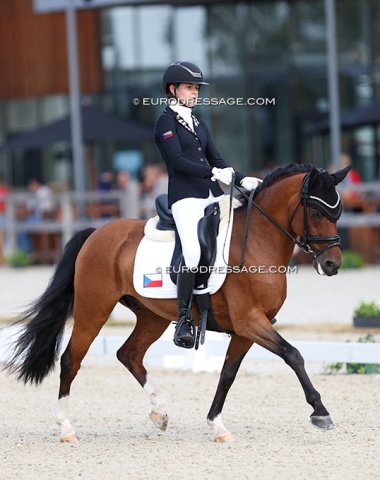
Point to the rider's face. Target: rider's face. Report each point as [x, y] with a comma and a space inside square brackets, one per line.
[186, 93]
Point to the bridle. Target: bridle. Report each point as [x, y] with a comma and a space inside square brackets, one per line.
[331, 240]
[306, 239]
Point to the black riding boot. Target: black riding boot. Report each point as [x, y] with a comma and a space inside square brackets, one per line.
[184, 334]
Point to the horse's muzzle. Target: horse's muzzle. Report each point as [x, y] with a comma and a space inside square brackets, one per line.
[327, 266]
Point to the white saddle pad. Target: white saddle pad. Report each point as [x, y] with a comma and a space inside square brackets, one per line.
[151, 273]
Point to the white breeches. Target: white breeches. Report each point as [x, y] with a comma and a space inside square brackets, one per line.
[187, 213]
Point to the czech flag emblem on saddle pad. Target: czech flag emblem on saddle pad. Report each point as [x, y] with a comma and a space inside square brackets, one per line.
[152, 280]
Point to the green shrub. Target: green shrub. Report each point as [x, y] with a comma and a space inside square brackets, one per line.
[364, 368]
[356, 368]
[352, 259]
[367, 309]
[19, 258]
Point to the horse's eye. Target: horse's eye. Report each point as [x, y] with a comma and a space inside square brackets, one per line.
[315, 214]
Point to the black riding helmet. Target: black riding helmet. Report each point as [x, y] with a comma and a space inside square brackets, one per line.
[182, 72]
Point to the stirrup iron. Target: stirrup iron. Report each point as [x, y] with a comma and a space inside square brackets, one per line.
[189, 322]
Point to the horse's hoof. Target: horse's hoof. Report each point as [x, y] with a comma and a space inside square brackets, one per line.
[160, 420]
[69, 439]
[324, 422]
[224, 438]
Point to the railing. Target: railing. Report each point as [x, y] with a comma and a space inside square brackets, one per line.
[94, 209]
[74, 212]
[210, 356]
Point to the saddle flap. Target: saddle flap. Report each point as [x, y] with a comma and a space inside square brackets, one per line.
[154, 256]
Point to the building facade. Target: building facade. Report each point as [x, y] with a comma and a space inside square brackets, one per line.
[266, 62]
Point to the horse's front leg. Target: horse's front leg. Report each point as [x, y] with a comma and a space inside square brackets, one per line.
[262, 333]
[320, 416]
[237, 350]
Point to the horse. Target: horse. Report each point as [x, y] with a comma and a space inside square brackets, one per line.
[294, 204]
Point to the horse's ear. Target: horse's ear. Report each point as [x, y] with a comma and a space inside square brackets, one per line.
[314, 176]
[340, 174]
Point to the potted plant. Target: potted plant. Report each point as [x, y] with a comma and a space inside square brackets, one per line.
[19, 258]
[367, 314]
[352, 260]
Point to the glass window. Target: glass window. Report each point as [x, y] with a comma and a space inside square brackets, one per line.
[53, 108]
[230, 126]
[353, 20]
[136, 37]
[117, 38]
[226, 33]
[268, 40]
[21, 115]
[308, 43]
[189, 33]
[376, 50]
[155, 47]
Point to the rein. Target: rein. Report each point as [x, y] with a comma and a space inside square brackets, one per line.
[332, 240]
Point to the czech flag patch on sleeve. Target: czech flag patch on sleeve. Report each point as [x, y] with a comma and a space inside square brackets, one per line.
[167, 134]
[152, 280]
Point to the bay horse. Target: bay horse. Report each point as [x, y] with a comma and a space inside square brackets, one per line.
[295, 204]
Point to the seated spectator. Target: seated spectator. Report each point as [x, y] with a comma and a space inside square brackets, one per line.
[155, 181]
[351, 179]
[42, 205]
[122, 180]
[107, 206]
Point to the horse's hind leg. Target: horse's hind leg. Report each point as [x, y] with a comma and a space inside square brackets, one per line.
[149, 328]
[87, 325]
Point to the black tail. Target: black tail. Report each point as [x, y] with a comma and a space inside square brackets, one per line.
[37, 349]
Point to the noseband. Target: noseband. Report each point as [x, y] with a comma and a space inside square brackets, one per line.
[305, 240]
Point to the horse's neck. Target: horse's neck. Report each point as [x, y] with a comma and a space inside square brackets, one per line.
[266, 242]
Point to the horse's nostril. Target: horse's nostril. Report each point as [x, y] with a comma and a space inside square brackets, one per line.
[332, 267]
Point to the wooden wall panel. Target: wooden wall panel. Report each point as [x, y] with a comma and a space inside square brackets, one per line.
[33, 51]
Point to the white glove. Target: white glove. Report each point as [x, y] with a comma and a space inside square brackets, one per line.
[250, 183]
[224, 175]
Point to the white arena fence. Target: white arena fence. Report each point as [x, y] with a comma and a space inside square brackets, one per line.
[210, 356]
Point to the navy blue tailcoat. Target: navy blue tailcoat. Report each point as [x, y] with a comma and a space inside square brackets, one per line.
[189, 156]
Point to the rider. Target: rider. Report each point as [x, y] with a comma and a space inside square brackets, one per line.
[194, 164]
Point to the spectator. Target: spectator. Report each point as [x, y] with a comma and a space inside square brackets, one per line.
[41, 207]
[155, 182]
[107, 206]
[122, 180]
[130, 186]
[105, 183]
[351, 179]
[4, 191]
